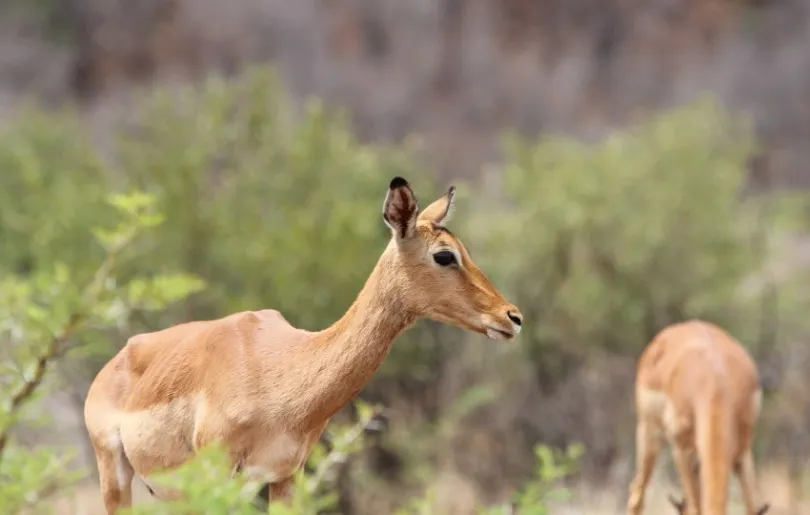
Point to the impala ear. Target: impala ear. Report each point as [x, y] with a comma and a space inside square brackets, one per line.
[440, 211]
[400, 209]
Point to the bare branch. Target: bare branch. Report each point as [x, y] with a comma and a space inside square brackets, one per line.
[336, 456]
[57, 346]
[29, 386]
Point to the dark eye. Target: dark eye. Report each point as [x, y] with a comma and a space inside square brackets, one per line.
[444, 258]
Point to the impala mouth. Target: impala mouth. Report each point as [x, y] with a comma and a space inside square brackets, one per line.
[499, 334]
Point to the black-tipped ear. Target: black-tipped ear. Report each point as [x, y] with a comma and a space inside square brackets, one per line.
[398, 182]
[400, 208]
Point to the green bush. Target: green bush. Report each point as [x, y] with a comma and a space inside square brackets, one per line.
[52, 193]
[206, 484]
[41, 316]
[608, 243]
[534, 498]
[282, 208]
[600, 244]
[254, 194]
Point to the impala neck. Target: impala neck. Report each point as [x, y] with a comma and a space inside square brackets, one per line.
[354, 347]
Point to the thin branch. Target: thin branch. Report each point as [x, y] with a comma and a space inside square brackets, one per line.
[44, 491]
[337, 456]
[30, 386]
[56, 346]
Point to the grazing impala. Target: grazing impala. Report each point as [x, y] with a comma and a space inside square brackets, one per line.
[266, 389]
[698, 388]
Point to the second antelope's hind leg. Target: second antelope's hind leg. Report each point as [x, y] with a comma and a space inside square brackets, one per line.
[687, 472]
[745, 472]
[694, 465]
[648, 447]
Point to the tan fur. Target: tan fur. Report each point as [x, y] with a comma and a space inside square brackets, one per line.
[698, 389]
[266, 389]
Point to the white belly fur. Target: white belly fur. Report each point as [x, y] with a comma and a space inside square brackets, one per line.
[160, 436]
[166, 434]
[277, 459]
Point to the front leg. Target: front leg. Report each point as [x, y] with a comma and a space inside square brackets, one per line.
[648, 447]
[281, 490]
[277, 491]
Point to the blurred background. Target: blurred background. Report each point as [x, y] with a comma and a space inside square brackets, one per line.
[620, 165]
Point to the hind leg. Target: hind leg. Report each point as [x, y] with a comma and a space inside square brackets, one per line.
[744, 467]
[115, 476]
[745, 473]
[648, 447]
[280, 491]
[687, 474]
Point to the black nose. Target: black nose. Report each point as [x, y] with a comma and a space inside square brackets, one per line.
[514, 318]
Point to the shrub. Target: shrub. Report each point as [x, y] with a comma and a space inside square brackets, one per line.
[621, 238]
[41, 317]
[206, 483]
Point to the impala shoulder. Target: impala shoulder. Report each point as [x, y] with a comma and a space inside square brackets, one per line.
[271, 316]
[266, 331]
[266, 322]
[138, 353]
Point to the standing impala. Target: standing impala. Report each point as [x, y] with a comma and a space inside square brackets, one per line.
[698, 388]
[266, 389]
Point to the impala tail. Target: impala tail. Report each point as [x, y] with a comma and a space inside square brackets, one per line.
[713, 438]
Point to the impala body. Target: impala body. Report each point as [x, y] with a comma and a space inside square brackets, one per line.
[267, 390]
[698, 389]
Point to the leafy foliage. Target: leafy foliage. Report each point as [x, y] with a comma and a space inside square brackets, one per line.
[254, 190]
[41, 318]
[642, 230]
[599, 244]
[552, 467]
[534, 499]
[207, 483]
[53, 191]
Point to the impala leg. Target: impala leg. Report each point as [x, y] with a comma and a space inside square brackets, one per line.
[281, 490]
[695, 468]
[115, 477]
[688, 477]
[278, 491]
[746, 475]
[648, 447]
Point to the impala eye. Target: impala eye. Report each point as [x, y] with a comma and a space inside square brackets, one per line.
[445, 258]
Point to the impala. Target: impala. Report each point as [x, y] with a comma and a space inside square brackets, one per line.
[698, 389]
[266, 389]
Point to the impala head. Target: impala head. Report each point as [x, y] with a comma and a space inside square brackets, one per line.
[436, 271]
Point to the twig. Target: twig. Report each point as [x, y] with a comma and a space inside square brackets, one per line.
[56, 346]
[335, 456]
[30, 386]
